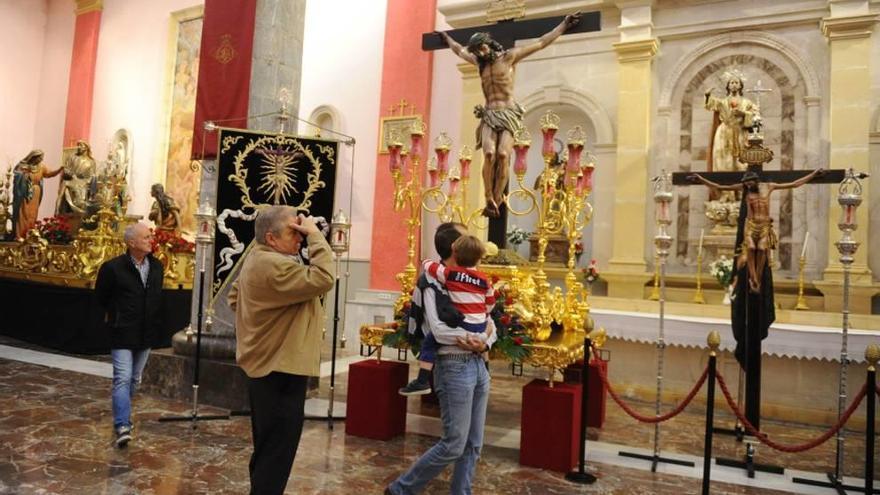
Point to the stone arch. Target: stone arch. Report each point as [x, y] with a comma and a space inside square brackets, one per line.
[594, 110]
[694, 57]
[332, 113]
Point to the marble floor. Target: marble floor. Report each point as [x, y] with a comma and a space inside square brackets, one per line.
[55, 438]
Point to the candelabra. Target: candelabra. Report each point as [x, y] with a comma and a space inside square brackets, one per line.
[849, 197]
[407, 194]
[451, 205]
[559, 210]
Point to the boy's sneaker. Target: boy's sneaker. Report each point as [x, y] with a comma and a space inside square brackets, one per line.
[123, 436]
[416, 387]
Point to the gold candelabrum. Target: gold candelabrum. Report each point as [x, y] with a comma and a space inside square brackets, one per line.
[452, 204]
[408, 195]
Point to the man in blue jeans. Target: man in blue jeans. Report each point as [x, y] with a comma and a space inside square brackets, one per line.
[129, 288]
[461, 382]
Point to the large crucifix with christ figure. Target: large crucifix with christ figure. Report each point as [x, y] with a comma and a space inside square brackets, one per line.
[492, 49]
[752, 308]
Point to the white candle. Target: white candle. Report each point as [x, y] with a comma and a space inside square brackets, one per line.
[700, 249]
[804, 250]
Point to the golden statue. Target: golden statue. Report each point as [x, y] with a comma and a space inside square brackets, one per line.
[734, 115]
[76, 183]
[164, 212]
[27, 191]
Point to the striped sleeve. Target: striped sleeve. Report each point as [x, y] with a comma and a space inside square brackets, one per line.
[436, 270]
[490, 299]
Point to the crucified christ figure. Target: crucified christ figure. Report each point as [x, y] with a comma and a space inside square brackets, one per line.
[759, 236]
[501, 116]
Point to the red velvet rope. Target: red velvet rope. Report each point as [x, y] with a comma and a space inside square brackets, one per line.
[791, 448]
[653, 419]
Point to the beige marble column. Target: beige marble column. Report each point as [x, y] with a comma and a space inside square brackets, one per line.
[627, 270]
[849, 29]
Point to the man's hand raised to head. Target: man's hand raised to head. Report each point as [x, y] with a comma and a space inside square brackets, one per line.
[304, 225]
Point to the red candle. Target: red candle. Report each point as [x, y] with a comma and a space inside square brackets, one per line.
[465, 167]
[574, 156]
[394, 157]
[547, 148]
[442, 160]
[520, 164]
[415, 144]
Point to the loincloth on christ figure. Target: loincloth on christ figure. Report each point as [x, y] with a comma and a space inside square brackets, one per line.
[500, 119]
[760, 229]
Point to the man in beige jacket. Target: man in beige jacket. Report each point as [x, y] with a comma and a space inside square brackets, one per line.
[278, 321]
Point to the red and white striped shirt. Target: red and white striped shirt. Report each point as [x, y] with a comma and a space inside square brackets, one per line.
[470, 292]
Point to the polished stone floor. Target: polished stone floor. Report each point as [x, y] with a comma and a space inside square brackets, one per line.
[55, 438]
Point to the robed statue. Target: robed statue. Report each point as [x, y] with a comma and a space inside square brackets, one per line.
[734, 116]
[164, 213]
[77, 185]
[27, 191]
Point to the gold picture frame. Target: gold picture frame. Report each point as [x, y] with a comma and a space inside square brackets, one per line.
[401, 123]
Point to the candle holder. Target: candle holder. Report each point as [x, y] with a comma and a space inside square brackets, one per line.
[451, 205]
[698, 295]
[801, 300]
[849, 197]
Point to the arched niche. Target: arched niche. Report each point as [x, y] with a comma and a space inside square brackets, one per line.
[791, 129]
[574, 109]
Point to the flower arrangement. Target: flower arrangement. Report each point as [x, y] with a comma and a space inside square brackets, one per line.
[517, 236]
[578, 248]
[175, 242]
[591, 272]
[722, 270]
[511, 332]
[55, 229]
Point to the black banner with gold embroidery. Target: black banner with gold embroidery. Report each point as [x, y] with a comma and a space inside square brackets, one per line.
[256, 169]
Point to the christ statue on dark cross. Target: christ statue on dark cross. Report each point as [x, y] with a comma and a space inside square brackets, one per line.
[501, 116]
[759, 236]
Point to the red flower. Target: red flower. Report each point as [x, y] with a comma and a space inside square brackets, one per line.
[394, 325]
[505, 319]
[518, 340]
[508, 301]
[494, 279]
[407, 305]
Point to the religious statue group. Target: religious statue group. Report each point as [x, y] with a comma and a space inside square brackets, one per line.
[80, 193]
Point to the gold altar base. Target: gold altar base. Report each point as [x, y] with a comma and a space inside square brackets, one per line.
[62, 264]
[557, 352]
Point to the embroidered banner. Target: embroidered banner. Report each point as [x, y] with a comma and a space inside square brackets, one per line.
[256, 169]
[224, 70]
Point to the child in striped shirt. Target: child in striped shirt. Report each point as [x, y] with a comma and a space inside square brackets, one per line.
[471, 293]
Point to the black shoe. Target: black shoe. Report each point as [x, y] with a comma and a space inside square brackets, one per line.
[388, 490]
[123, 436]
[416, 387]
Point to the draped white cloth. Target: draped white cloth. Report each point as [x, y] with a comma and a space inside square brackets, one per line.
[784, 340]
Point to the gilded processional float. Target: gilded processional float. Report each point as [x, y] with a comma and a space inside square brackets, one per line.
[537, 324]
[68, 248]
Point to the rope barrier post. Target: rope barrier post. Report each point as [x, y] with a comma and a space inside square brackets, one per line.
[714, 341]
[872, 355]
[581, 476]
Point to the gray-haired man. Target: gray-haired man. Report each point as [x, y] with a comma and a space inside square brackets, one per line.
[129, 287]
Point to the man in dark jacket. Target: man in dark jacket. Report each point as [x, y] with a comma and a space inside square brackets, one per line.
[129, 287]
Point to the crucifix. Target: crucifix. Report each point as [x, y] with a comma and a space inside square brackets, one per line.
[758, 90]
[491, 48]
[752, 309]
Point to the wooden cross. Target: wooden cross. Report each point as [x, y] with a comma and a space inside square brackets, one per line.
[506, 33]
[746, 309]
